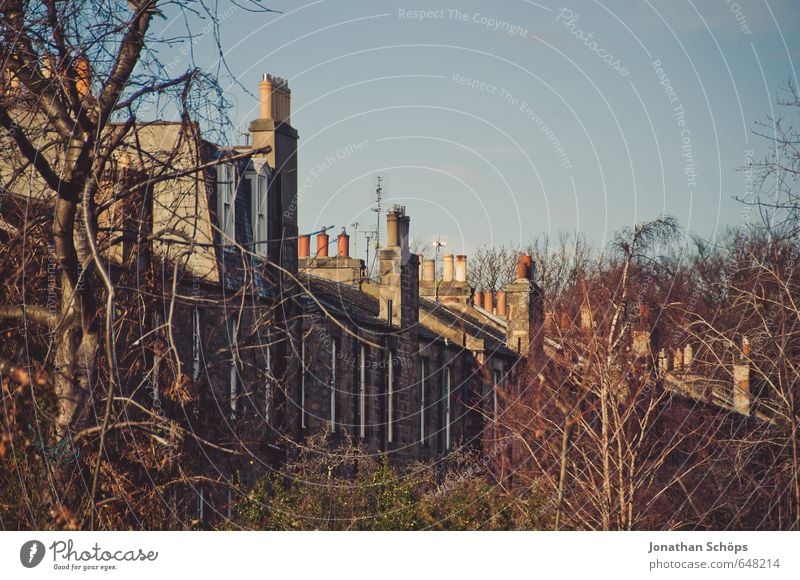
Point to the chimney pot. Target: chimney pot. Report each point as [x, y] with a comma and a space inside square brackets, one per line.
[488, 300]
[429, 271]
[528, 261]
[688, 355]
[392, 237]
[523, 269]
[304, 245]
[477, 300]
[343, 245]
[265, 90]
[461, 268]
[741, 388]
[677, 359]
[587, 318]
[501, 303]
[323, 240]
[644, 316]
[447, 268]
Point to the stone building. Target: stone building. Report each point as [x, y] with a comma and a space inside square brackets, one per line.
[407, 363]
[268, 344]
[279, 344]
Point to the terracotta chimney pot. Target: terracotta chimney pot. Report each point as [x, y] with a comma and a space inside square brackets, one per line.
[343, 245]
[323, 240]
[304, 245]
[488, 300]
[501, 303]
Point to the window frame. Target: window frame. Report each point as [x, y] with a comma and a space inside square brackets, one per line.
[447, 410]
[226, 202]
[259, 211]
[334, 352]
[362, 393]
[233, 330]
[390, 397]
[422, 385]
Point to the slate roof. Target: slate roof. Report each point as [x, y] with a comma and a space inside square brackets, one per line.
[347, 302]
[494, 338]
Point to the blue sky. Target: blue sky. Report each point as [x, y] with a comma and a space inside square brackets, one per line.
[496, 122]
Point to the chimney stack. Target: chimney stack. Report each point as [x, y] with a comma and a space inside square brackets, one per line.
[323, 240]
[421, 260]
[399, 278]
[304, 246]
[461, 268]
[272, 130]
[343, 245]
[447, 268]
[524, 311]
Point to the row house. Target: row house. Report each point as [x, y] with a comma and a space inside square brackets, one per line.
[409, 364]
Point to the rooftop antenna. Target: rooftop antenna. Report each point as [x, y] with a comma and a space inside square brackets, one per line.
[355, 225]
[377, 232]
[377, 210]
[437, 243]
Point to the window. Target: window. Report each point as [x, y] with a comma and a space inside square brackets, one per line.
[497, 377]
[234, 386]
[197, 344]
[226, 194]
[389, 398]
[422, 372]
[447, 408]
[362, 393]
[303, 381]
[156, 371]
[333, 386]
[201, 504]
[268, 378]
[258, 205]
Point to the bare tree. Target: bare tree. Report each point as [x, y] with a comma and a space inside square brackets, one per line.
[80, 82]
[491, 268]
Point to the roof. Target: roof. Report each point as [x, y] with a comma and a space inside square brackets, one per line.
[460, 318]
[348, 302]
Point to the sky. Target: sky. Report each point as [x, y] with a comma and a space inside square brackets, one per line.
[494, 123]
